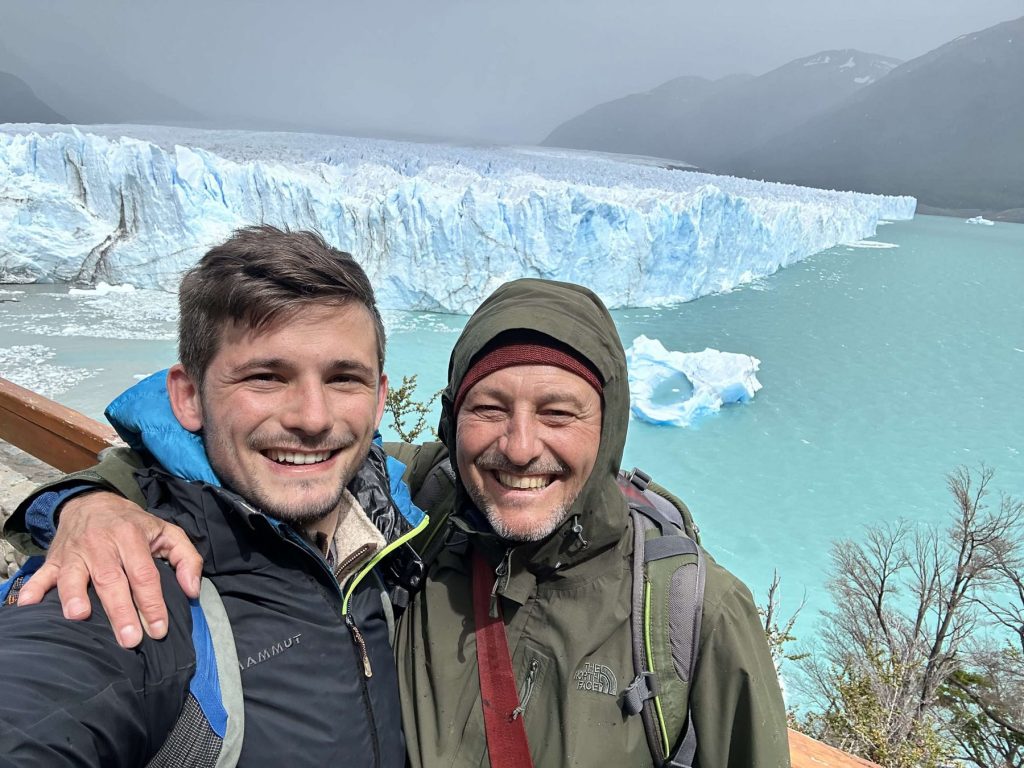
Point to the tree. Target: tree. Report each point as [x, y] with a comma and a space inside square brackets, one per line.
[907, 603]
[779, 632]
[401, 404]
[984, 700]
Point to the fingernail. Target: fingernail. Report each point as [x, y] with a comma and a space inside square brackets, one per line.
[76, 607]
[130, 636]
[158, 629]
[195, 585]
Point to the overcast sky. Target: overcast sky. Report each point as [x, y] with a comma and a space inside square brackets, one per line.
[462, 69]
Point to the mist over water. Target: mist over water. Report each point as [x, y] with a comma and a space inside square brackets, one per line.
[883, 369]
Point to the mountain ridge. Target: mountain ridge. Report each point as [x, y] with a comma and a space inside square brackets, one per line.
[703, 121]
[19, 103]
[944, 127]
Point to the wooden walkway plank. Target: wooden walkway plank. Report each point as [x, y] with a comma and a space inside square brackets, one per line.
[806, 752]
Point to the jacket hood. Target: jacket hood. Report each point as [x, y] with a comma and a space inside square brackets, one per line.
[575, 316]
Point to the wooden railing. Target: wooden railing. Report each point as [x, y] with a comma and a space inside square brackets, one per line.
[53, 433]
[70, 441]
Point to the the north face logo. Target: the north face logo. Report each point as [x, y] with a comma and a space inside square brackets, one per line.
[597, 678]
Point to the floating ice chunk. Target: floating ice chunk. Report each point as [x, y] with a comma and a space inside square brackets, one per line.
[28, 366]
[102, 289]
[980, 220]
[872, 244]
[717, 378]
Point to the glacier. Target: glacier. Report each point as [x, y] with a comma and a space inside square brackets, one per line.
[714, 379]
[436, 227]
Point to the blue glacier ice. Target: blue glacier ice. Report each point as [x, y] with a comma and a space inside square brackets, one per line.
[436, 227]
[715, 379]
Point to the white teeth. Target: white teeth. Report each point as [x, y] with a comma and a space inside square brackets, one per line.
[527, 483]
[294, 457]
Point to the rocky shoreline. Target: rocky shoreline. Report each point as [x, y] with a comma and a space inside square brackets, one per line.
[20, 473]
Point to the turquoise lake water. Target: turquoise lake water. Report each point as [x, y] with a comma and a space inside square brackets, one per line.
[883, 369]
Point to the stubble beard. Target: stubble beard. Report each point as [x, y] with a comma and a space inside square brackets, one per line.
[289, 507]
[535, 530]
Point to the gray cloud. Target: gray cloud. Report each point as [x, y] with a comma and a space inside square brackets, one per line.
[463, 69]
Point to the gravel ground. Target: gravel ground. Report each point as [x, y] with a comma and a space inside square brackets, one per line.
[20, 473]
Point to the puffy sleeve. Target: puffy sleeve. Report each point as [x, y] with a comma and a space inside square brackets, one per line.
[70, 695]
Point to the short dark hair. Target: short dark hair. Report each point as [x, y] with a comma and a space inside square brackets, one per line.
[262, 273]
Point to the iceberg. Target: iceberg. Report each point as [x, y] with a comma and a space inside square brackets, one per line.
[436, 227]
[714, 379]
[980, 220]
[102, 289]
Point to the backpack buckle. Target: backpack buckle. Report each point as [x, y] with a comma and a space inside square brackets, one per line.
[643, 688]
[639, 478]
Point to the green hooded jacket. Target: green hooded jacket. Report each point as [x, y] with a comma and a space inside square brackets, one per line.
[567, 607]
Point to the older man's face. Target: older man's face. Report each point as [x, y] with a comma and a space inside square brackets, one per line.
[526, 442]
[288, 412]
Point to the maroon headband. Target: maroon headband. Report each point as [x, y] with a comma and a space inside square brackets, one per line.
[507, 355]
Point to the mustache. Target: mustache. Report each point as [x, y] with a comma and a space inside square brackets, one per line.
[261, 441]
[495, 461]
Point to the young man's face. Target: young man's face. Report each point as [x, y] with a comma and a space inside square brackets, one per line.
[288, 413]
[526, 442]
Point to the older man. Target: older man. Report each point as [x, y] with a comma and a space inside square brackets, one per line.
[281, 374]
[535, 415]
[539, 538]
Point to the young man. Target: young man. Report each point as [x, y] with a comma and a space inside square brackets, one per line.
[281, 381]
[535, 415]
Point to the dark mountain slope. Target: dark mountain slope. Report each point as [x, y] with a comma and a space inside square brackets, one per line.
[641, 123]
[947, 127]
[18, 104]
[706, 122]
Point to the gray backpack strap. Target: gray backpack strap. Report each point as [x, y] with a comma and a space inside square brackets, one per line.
[667, 603]
[228, 672]
[211, 726]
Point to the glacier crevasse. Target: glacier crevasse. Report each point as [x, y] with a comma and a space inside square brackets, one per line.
[437, 228]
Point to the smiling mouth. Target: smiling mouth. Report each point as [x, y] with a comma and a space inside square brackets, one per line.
[523, 482]
[297, 458]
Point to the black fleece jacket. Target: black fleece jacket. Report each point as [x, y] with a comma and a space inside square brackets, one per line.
[69, 695]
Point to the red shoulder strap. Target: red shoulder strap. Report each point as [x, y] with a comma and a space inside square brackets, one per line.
[506, 737]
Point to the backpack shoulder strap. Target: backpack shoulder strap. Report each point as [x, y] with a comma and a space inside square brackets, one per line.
[211, 726]
[668, 598]
[661, 499]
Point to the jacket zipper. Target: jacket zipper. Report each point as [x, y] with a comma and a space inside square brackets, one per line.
[357, 636]
[341, 571]
[349, 621]
[527, 690]
[501, 572]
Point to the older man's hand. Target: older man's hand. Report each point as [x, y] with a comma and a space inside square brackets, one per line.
[110, 540]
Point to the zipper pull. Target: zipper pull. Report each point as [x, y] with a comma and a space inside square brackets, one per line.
[357, 637]
[527, 691]
[501, 572]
